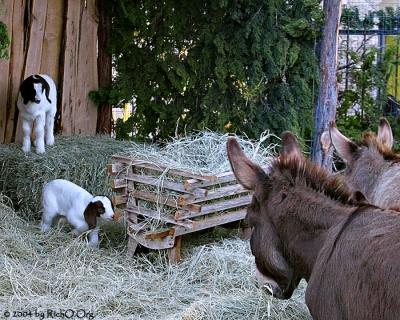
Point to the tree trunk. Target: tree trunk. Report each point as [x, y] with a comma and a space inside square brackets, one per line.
[104, 67]
[327, 97]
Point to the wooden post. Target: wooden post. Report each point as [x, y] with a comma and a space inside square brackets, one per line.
[327, 98]
[174, 254]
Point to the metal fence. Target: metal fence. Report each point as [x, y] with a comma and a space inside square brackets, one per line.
[363, 34]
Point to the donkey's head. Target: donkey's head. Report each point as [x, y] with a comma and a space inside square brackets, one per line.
[273, 269]
[367, 159]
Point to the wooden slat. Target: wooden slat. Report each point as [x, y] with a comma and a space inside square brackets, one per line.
[224, 177]
[119, 199]
[78, 112]
[226, 191]
[174, 186]
[162, 200]
[6, 16]
[166, 242]
[50, 60]
[34, 50]
[155, 198]
[215, 207]
[156, 215]
[165, 238]
[118, 183]
[16, 70]
[210, 222]
[115, 168]
[161, 168]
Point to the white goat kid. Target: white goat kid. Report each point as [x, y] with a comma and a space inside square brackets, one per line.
[37, 103]
[81, 209]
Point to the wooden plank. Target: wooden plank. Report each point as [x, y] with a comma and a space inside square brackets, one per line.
[34, 49]
[156, 215]
[6, 16]
[158, 235]
[161, 168]
[78, 112]
[224, 177]
[154, 197]
[215, 207]
[51, 48]
[210, 222]
[119, 199]
[17, 62]
[226, 191]
[135, 231]
[87, 78]
[164, 184]
[174, 254]
[115, 168]
[163, 200]
[118, 183]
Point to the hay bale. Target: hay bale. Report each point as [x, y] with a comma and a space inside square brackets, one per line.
[56, 271]
[80, 159]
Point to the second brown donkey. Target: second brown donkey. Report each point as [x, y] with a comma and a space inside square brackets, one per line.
[372, 167]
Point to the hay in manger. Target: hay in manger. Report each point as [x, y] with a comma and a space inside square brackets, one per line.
[181, 188]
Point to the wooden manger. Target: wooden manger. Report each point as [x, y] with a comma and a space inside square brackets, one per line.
[162, 204]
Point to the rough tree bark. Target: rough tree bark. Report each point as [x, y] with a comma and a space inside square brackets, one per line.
[104, 67]
[327, 97]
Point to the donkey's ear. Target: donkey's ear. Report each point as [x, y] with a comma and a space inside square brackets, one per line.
[246, 171]
[343, 145]
[358, 197]
[385, 134]
[290, 146]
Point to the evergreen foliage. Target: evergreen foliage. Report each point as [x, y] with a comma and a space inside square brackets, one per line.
[226, 65]
[4, 41]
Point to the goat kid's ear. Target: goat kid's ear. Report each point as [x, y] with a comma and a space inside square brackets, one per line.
[343, 145]
[99, 208]
[246, 171]
[385, 135]
[290, 147]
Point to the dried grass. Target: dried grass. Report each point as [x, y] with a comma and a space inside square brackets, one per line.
[57, 271]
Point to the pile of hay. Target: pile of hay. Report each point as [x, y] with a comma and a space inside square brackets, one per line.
[203, 152]
[55, 271]
[58, 272]
[80, 159]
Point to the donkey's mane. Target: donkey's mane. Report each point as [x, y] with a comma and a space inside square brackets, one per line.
[305, 173]
[369, 139]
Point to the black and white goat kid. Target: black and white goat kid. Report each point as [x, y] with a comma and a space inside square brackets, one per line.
[37, 104]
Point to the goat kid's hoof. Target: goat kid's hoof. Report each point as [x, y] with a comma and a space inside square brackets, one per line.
[50, 141]
[40, 150]
[94, 245]
[26, 149]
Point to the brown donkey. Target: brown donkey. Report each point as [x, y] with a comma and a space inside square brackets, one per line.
[371, 165]
[307, 224]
